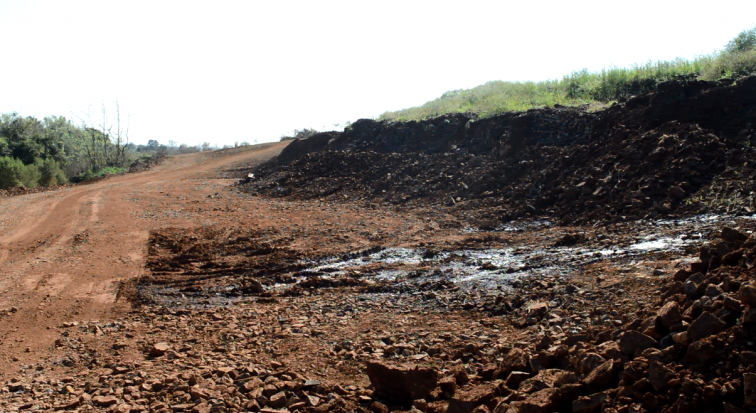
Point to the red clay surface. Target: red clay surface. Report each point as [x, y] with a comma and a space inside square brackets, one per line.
[64, 253]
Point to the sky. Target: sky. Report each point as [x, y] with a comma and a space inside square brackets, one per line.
[233, 71]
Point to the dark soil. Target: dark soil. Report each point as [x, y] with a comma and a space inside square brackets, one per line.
[684, 149]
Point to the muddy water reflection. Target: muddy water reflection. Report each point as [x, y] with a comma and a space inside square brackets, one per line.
[498, 267]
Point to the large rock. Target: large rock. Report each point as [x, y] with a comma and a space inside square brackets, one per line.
[515, 378]
[601, 377]
[104, 401]
[543, 401]
[590, 361]
[749, 389]
[550, 378]
[670, 314]
[748, 295]
[465, 402]
[401, 384]
[632, 341]
[538, 310]
[590, 403]
[158, 349]
[660, 376]
[701, 352]
[705, 325]
[732, 235]
[515, 360]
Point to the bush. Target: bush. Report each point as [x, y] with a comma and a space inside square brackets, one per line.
[51, 173]
[14, 173]
[10, 172]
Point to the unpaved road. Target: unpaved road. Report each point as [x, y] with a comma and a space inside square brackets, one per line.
[64, 253]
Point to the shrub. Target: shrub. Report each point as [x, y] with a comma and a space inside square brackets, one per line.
[580, 87]
[51, 173]
[10, 172]
[14, 173]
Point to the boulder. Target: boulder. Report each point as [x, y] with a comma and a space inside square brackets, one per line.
[104, 401]
[543, 401]
[515, 360]
[732, 235]
[590, 362]
[538, 310]
[466, 401]
[632, 341]
[749, 389]
[586, 404]
[401, 384]
[448, 386]
[601, 377]
[700, 352]
[749, 317]
[158, 349]
[704, 326]
[670, 314]
[515, 378]
[660, 376]
[747, 295]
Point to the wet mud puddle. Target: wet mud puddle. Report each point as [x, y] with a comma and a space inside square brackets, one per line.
[499, 267]
[497, 261]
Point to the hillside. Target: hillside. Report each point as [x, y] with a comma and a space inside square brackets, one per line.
[596, 89]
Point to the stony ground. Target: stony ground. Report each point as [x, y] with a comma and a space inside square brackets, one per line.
[240, 303]
[441, 280]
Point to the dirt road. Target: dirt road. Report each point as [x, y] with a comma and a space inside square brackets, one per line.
[64, 253]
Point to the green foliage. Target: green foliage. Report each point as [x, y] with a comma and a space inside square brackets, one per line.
[50, 173]
[743, 42]
[13, 173]
[55, 150]
[10, 172]
[584, 87]
[111, 170]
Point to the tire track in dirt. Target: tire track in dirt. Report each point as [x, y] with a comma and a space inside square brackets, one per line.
[50, 278]
[66, 233]
[57, 217]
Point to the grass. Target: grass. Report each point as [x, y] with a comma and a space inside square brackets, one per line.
[110, 170]
[596, 89]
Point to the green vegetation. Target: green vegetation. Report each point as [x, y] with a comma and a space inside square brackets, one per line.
[55, 150]
[738, 58]
[300, 134]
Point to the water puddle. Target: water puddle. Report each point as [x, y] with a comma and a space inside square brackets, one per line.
[497, 268]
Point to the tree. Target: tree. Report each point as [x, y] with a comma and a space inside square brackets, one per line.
[744, 41]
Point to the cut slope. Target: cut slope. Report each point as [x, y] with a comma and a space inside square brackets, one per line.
[683, 149]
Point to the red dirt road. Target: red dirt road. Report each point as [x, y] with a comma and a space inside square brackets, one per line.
[64, 253]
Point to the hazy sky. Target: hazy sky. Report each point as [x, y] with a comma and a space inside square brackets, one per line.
[224, 71]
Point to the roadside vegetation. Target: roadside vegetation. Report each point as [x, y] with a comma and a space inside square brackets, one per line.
[737, 58]
[55, 150]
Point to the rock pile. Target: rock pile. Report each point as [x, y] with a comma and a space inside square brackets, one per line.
[662, 154]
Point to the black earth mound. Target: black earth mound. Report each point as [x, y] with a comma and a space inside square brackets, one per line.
[687, 148]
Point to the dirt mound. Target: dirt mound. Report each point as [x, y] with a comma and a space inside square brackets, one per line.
[684, 149]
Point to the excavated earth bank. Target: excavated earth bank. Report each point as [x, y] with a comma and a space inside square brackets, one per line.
[686, 149]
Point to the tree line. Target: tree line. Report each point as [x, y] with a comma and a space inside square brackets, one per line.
[56, 150]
